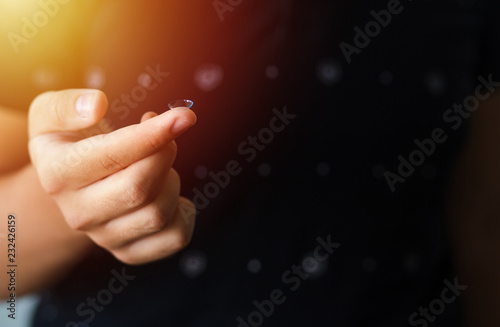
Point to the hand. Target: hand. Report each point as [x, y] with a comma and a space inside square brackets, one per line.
[118, 187]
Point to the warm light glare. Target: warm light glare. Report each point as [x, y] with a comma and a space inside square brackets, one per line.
[17, 7]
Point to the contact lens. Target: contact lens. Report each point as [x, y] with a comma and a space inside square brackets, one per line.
[180, 103]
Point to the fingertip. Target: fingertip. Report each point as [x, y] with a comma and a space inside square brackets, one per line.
[191, 116]
[183, 110]
[178, 121]
[91, 104]
[185, 114]
[184, 122]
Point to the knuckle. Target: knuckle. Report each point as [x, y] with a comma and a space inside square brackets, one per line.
[137, 192]
[44, 108]
[51, 185]
[51, 167]
[180, 240]
[76, 222]
[155, 220]
[109, 163]
[100, 240]
[155, 142]
[129, 234]
[40, 101]
[48, 104]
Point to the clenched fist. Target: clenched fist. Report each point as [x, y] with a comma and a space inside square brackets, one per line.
[118, 187]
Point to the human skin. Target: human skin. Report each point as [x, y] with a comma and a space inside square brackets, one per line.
[123, 195]
[59, 224]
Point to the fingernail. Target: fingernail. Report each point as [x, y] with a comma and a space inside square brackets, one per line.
[85, 104]
[180, 126]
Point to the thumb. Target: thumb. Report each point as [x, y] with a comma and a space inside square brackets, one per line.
[67, 110]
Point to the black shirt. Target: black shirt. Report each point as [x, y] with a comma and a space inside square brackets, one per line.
[289, 164]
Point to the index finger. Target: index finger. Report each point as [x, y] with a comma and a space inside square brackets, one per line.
[117, 150]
